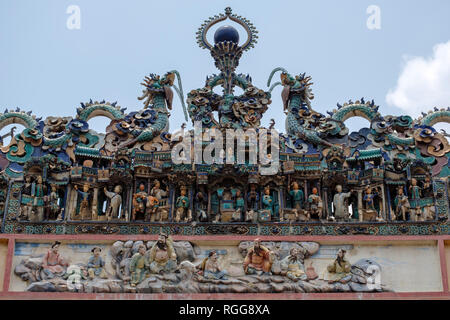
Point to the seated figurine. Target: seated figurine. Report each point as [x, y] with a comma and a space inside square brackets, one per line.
[258, 259]
[96, 265]
[295, 270]
[339, 270]
[138, 266]
[210, 267]
[162, 256]
[52, 263]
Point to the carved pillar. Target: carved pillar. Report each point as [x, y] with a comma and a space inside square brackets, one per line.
[305, 187]
[68, 206]
[72, 203]
[383, 204]
[130, 204]
[94, 205]
[360, 205]
[325, 203]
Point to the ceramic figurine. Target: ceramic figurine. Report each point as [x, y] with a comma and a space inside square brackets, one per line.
[138, 266]
[52, 263]
[340, 204]
[162, 257]
[85, 206]
[139, 203]
[239, 206]
[210, 267]
[401, 205]
[415, 198]
[258, 259]
[253, 198]
[339, 270]
[295, 269]
[182, 206]
[267, 201]
[315, 205]
[297, 196]
[115, 201]
[96, 265]
[201, 205]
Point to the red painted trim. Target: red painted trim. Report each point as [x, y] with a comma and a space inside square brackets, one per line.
[144, 237]
[8, 265]
[444, 273]
[226, 296]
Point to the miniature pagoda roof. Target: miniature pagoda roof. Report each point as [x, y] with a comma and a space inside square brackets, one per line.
[366, 155]
[90, 152]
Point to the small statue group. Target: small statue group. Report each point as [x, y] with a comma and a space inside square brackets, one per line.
[150, 207]
[412, 208]
[302, 208]
[160, 259]
[34, 200]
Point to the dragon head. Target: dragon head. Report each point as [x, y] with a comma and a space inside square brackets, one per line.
[155, 85]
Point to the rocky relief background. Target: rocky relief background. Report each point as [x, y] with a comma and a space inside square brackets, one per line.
[373, 269]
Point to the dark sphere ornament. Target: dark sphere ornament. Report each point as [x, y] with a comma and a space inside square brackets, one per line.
[226, 33]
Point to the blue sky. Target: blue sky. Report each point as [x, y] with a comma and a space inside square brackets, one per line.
[47, 68]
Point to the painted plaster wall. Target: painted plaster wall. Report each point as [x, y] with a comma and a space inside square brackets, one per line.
[407, 266]
[447, 258]
[3, 255]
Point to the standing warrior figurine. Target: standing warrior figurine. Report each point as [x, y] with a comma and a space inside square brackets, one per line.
[182, 206]
[414, 189]
[162, 256]
[315, 205]
[253, 198]
[115, 201]
[139, 202]
[297, 196]
[401, 204]
[201, 205]
[138, 266]
[339, 203]
[96, 265]
[52, 263]
[267, 201]
[258, 259]
[85, 212]
[53, 204]
[26, 200]
[239, 206]
[368, 199]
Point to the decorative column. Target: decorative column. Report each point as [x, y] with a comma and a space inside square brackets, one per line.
[305, 187]
[130, 204]
[383, 203]
[94, 209]
[325, 202]
[72, 203]
[68, 206]
[360, 206]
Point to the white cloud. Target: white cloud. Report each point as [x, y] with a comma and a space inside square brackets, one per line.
[424, 83]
